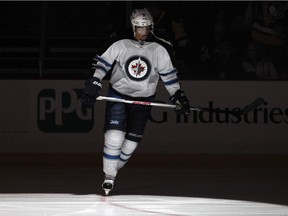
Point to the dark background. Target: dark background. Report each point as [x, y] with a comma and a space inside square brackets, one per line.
[59, 39]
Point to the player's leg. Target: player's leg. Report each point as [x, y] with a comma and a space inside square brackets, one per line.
[115, 126]
[111, 154]
[137, 119]
[111, 151]
[127, 150]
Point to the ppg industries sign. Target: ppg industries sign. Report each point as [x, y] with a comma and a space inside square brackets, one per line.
[61, 111]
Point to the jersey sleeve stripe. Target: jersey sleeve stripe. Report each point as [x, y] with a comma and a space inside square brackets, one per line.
[103, 69]
[170, 82]
[98, 58]
[169, 73]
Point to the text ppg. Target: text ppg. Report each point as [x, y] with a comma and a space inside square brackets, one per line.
[61, 111]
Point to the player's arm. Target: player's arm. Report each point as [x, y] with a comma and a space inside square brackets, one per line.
[101, 64]
[169, 76]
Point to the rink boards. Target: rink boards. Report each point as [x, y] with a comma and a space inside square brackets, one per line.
[45, 116]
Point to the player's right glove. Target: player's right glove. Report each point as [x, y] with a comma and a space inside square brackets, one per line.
[181, 102]
[91, 91]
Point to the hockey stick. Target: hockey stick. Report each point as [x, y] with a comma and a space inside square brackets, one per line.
[255, 104]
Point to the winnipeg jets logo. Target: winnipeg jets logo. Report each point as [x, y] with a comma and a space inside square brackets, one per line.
[138, 68]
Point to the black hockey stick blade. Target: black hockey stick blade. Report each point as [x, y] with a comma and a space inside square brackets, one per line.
[252, 106]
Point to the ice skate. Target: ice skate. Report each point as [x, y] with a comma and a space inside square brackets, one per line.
[108, 185]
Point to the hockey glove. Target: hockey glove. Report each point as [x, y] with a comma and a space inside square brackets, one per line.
[91, 91]
[181, 102]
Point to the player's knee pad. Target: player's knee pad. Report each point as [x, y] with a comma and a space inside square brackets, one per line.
[129, 147]
[114, 139]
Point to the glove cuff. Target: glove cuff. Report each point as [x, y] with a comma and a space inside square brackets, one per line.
[178, 97]
[93, 86]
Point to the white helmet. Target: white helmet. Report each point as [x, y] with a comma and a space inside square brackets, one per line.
[141, 17]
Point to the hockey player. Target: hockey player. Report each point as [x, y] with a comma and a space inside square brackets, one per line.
[136, 68]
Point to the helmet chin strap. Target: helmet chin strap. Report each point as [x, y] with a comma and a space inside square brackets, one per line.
[165, 41]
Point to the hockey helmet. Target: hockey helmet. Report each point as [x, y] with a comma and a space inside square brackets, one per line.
[141, 18]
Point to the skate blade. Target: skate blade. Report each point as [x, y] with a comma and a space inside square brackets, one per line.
[107, 191]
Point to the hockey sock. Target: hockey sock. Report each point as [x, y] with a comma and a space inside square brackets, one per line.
[112, 150]
[127, 150]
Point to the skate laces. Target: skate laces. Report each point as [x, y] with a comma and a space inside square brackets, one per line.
[108, 181]
[108, 184]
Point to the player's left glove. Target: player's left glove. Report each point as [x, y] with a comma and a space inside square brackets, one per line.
[91, 91]
[181, 102]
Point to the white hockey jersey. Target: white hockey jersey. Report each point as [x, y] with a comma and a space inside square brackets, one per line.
[137, 68]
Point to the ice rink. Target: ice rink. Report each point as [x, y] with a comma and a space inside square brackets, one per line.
[172, 191]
